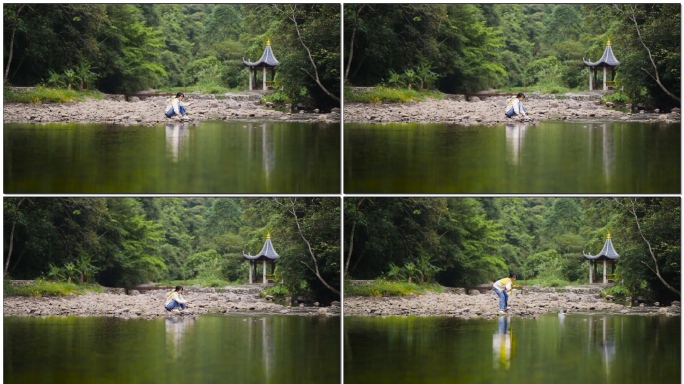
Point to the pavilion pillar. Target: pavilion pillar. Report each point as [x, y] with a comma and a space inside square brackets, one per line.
[250, 84]
[591, 80]
[263, 79]
[264, 271]
[591, 274]
[605, 281]
[250, 262]
[605, 87]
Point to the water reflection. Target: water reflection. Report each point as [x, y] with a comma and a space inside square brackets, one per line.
[261, 345]
[176, 328]
[503, 343]
[518, 157]
[267, 144]
[177, 135]
[515, 133]
[602, 337]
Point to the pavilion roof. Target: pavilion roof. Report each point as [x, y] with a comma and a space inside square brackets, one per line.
[267, 252]
[607, 253]
[267, 58]
[607, 60]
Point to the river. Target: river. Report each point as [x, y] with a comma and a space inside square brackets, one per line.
[210, 157]
[209, 349]
[548, 157]
[577, 348]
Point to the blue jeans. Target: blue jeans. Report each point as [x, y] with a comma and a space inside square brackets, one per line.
[174, 304]
[171, 112]
[503, 299]
[511, 112]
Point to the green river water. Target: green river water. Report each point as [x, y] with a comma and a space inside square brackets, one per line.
[576, 349]
[212, 157]
[209, 349]
[551, 157]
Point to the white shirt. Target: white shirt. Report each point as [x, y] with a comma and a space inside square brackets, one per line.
[174, 105]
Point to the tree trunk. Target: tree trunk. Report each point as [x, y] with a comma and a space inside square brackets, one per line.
[315, 76]
[650, 57]
[11, 50]
[11, 240]
[351, 237]
[351, 46]
[650, 250]
[315, 270]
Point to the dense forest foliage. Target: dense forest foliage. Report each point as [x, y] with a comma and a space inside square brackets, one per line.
[124, 48]
[473, 47]
[470, 241]
[126, 241]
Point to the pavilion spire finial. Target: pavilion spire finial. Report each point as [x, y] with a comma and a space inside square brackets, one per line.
[269, 235]
[268, 42]
[608, 237]
[608, 42]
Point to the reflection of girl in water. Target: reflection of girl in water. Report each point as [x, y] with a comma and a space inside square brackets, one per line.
[503, 343]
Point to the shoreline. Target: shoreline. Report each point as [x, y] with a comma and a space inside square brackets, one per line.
[150, 111]
[151, 305]
[490, 111]
[485, 305]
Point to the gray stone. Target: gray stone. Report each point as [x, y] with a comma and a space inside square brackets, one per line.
[133, 99]
[474, 292]
[474, 99]
[134, 292]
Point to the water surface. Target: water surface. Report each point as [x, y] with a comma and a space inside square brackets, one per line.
[212, 157]
[210, 349]
[587, 349]
[551, 157]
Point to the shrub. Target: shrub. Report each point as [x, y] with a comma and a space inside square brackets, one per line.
[278, 97]
[389, 288]
[42, 287]
[618, 290]
[42, 94]
[277, 290]
[389, 95]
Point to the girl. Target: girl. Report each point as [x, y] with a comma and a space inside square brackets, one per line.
[516, 108]
[175, 300]
[503, 289]
[174, 107]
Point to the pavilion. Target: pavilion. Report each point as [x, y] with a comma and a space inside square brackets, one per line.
[266, 255]
[607, 254]
[267, 63]
[607, 61]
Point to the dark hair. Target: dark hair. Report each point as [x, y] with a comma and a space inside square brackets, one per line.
[178, 288]
[520, 94]
[179, 94]
[512, 275]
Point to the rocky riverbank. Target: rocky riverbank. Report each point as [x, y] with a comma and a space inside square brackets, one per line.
[490, 110]
[150, 305]
[485, 305]
[114, 109]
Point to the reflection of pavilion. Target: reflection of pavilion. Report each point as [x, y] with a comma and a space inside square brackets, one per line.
[177, 135]
[261, 338]
[503, 344]
[515, 133]
[607, 150]
[267, 148]
[603, 337]
[176, 327]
